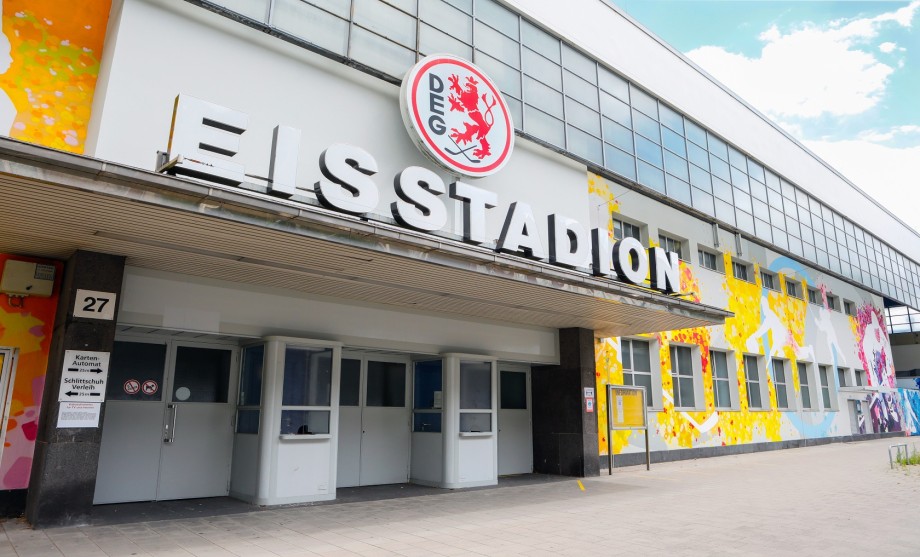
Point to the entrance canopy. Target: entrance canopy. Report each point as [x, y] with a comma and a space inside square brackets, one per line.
[56, 203]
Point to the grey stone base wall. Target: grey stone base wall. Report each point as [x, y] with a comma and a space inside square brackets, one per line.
[636, 459]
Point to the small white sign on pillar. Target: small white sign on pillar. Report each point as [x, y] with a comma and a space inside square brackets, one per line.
[84, 375]
[79, 414]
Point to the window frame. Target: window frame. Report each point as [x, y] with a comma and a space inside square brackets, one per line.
[623, 224]
[665, 241]
[748, 271]
[785, 384]
[796, 287]
[730, 386]
[702, 252]
[849, 307]
[694, 376]
[833, 303]
[826, 384]
[816, 294]
[759, 383]
[771, 277]
[806, 386]
[650, 396]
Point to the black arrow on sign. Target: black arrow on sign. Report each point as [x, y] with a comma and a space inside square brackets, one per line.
[95, 394]
[72, 369]
[71, 393]
[96, 370]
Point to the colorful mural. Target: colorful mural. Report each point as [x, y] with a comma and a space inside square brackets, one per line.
[768, 323]
[49, 62]
[910, 402]
[27, 330]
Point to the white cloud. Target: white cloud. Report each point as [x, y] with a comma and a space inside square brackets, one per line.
[888, 174]
[887, 47]
[812, 70]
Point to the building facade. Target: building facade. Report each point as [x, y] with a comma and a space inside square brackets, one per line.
[236, 271]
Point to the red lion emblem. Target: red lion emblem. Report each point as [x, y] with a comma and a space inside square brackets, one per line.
[467, 99]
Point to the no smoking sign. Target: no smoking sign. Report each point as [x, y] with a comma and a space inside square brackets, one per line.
[132, 386]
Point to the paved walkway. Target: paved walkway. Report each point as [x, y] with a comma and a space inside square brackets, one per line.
[838, 499]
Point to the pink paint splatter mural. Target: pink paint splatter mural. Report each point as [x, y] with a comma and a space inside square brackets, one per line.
[26, 330]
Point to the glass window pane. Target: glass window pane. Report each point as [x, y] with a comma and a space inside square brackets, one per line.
[622, 163]
[385, 20]
[475, 422]
[542, 97]
[641, 359]
[475, 385]
[251, 376]
[671, 118]
[583, 117]
[307, 376]
[676, 166]
[431, 41]
[698, 156]
[497, 17]
[686, 391]
[580, 90]
[725, 212]
[386, 384]
[644, 380]
[498, 45]
[540, 41]
[674, 142]
[616, 110]
[678, 189]
[513, 390]
[579, 64]
[618, 135]
[648, 151]
[695, 133]
[700, 178]
[542, 69]
[717, 147]
[131, 365]
[585, 146]
[613, 84]
[447, 19]
[644, 102]
[247, 421]
[703, 201]
[305, 422]
[427, 385]
[646, 126]
[544, 126]
[719, 168]
[350, 384]
[429, 422]
[737, 159]
[311, 24]
[201, 374]
[507, 78]
[379, 53]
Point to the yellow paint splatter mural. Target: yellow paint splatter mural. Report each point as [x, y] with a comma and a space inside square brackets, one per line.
[49, 61]
[773, 330]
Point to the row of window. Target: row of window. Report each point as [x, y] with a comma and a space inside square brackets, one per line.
[687, 385]
[568, 100]
[709, 259]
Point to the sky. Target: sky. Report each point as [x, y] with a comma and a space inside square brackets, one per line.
[855, 66]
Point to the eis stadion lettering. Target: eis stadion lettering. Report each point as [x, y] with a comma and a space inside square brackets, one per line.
[458, 118]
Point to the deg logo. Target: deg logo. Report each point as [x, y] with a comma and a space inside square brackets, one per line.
[456, 116]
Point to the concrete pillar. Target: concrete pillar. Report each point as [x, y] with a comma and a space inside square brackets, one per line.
[564, 432]
[63, 476]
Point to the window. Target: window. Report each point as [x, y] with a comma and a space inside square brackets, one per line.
[428, 397]
[721, 387]
[682, 376]
[833, 302]
[306, 397]
[752, 382]
[814, 296]
[622, 229]
[793, 289]
[475, 396]
[849, 307]
[782, 384]
[842, 374]
[768, 280]
[804, 387]
[671, 244]
[637, 366]
[708, 259]
[860, 378]
[250, 399]
[741, 271]
[824, 373]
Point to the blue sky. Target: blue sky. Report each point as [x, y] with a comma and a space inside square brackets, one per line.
[854, 67]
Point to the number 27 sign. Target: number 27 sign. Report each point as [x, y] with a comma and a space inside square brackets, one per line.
[94, 305]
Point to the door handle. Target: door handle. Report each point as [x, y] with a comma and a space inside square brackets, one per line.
[169, 430]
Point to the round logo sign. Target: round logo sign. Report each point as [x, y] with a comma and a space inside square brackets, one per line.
[456, 115]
